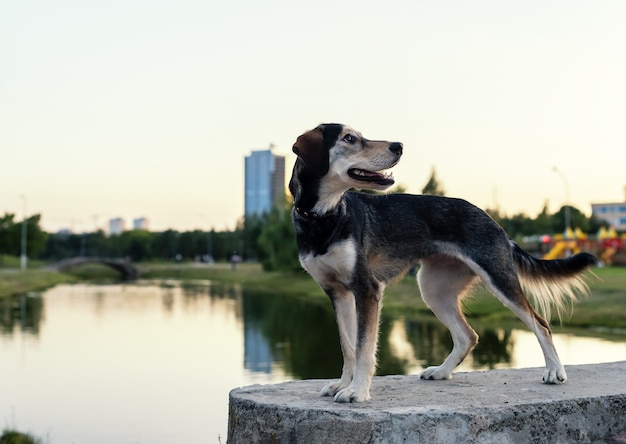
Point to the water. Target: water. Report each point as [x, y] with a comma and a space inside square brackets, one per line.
[153, 362]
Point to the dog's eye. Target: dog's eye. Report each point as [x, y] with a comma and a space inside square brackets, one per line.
[349, 138]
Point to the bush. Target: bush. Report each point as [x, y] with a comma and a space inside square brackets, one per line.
[14, 437]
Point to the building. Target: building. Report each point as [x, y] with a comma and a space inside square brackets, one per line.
[140, 223]
[612, 213]
[116, 225]
[264, 181]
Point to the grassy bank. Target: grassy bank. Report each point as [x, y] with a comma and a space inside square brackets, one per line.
[13, 282]
[602, 309]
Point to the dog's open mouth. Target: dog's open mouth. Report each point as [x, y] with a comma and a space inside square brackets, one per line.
[382, 178]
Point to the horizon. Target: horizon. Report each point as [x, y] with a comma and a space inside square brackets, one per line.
[136, 109]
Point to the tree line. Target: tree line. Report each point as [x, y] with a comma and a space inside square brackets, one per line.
[268, 238]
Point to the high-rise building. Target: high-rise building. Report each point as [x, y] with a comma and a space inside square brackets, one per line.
[140, 223]
[116, 225]
[265, 181]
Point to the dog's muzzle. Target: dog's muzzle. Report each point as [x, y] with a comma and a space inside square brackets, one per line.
[396, 148]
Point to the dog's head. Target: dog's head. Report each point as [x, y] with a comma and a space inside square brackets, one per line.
[342, 158]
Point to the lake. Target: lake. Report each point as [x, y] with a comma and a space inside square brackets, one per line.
[153, 361]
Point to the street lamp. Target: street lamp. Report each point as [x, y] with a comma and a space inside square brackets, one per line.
[567, 210]
[23, 257]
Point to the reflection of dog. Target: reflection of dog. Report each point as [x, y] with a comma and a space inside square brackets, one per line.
[353, 244]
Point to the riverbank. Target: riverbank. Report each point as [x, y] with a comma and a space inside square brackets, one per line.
[601, 311]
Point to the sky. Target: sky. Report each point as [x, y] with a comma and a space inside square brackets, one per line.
[147, 108]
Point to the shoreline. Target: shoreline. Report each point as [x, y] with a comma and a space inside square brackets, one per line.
[601, 311]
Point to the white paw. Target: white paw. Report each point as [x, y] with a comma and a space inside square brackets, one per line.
[350, 394]
[332, 388]
[436, 373]
[554, 375]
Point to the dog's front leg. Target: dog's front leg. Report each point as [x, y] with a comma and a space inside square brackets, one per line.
[345, 314]
[367, 314]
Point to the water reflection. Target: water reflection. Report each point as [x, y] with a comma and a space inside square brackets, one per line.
[420, 344]
[288, 336]
[22, 313]
[155, 360]
[301, 336]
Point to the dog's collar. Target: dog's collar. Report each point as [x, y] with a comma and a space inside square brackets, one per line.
[311, 214]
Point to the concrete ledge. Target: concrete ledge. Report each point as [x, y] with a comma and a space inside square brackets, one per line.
[497, 406]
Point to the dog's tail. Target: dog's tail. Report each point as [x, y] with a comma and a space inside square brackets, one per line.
[553, 283]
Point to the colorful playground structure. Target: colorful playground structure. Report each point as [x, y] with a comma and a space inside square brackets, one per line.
[607, 245]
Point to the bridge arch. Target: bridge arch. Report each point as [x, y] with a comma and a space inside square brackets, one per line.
[123, 266]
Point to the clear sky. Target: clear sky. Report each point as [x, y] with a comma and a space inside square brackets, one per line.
[136, 108]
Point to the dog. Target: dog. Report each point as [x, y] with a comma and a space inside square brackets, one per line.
[354, 244]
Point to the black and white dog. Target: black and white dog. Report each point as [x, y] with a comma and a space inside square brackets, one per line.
[353, 244]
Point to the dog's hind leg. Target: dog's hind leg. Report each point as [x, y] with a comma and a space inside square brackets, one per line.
[443, 282]
[345, 314]
[510, 293]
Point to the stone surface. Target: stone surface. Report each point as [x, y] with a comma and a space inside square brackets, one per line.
[496, 406]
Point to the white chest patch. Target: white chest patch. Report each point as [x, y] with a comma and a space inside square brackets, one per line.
[337, 264]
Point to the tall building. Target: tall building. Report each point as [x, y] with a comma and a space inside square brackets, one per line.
[140, 223]
[116, 225]
[265, 181]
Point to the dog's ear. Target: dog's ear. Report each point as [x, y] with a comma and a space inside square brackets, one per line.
[311, 148]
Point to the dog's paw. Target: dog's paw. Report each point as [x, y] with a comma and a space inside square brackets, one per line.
[332, 388]
[436, 373]
[554, 375]
[350, 394]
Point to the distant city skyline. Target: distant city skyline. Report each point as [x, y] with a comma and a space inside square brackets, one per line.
[140, 108]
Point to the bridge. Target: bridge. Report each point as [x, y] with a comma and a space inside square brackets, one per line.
[123, 266]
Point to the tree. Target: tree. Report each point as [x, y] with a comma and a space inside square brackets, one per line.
[11, 236]
[433, 187]
[165, 244]
[577, 220]
[251, 231]
[277, 241]
[544, 222]
[137, 244]
[6, 240]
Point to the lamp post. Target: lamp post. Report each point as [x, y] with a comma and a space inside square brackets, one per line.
[23, 257]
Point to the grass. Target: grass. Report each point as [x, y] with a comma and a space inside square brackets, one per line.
[13, 282]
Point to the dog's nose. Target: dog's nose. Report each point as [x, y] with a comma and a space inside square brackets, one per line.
[396, 148]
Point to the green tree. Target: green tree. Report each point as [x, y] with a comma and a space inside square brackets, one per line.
[544, 222]
[433, 186]
[6, 228]
[136, 244]
[251, 231]
[11, 236]
[277, 241]
[577, 219]
[165, 244]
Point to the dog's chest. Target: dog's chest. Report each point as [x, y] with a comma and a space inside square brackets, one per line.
[337, 264]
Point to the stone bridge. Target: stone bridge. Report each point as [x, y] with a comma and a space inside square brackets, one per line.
[123, 266]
